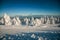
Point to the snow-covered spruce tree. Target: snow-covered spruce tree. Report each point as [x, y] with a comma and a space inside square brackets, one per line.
[7, 19]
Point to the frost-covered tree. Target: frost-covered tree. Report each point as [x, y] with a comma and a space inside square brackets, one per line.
[2, 21]
[32, 22]
[26, 21]
[16, 21]
[53, 19]
[48, 21]
[42, 20]
[7, 20]
[37, 22]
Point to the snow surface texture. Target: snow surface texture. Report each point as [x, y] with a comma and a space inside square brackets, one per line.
[31, 36]
[17, 29]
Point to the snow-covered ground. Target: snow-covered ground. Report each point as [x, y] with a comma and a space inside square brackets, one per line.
[16, 29]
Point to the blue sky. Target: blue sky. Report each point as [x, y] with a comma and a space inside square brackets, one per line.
[30, 7]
